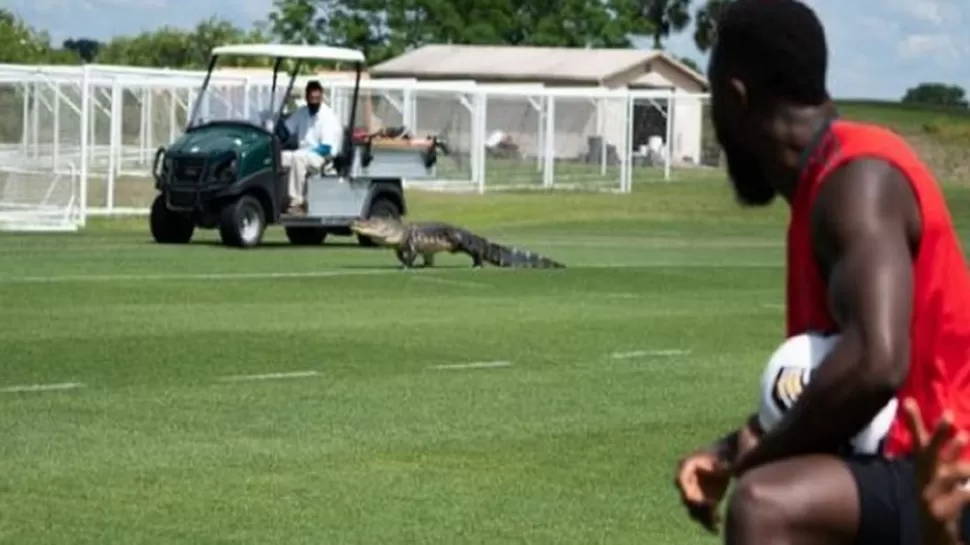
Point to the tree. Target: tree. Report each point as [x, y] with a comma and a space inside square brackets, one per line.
[21, 44]
[169, 47]
[294, 21]
[85, 48]
[665, 17]
[705, 23]
[578, 23]
[386, 28]
[937, 94]
[690, 63]
[213, 32]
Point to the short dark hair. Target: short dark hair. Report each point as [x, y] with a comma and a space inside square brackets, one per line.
[313, 85]
[776, 45]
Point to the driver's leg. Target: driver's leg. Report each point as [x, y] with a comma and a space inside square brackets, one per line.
[297, 177]
[305, 163]
[825, 500]
[289, 158]
[314, 164]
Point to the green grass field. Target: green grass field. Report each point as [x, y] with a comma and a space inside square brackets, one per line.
[442, 406]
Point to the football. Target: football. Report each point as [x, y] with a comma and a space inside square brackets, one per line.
[789, 370]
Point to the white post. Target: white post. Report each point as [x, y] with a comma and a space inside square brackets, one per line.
[56, 152]
[548, 175]
[192, 96]
[414, 113]
[172, 120]
[84, 122]
[540, 132]
[114, 146]
[626, 162]
[25, 130]
[142, 125]
[247, 114]
[35, 118]
[93, 122]
[669, 144]
[601, 129]
[74, 214]
[149, 124]
[479, 126]
[407, 116]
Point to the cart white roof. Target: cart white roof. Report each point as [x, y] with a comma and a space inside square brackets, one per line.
[318, 52]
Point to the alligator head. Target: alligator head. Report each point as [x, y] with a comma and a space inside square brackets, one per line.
[383, 231]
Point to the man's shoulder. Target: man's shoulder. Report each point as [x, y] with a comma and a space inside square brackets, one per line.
[859, 132]
[297, 114]
[327, 111]
[867, 143]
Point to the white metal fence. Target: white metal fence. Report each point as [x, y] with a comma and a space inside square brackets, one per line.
[85, 137]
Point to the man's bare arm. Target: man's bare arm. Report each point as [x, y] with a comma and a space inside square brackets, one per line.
[862, 222]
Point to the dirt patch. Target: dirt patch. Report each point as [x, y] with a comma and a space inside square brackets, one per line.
[941, 135]
[950, 161]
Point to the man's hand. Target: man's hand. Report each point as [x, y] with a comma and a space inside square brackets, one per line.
[703, 479]
[940, 476]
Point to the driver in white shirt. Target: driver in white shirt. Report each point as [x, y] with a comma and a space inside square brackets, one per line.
[320, 134]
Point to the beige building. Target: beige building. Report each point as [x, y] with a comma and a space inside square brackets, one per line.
[578, 122]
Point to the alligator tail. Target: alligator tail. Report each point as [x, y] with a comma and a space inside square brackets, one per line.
[504, 256]
[499, 255]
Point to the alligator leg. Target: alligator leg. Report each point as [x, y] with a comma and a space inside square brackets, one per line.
[406, 256]
[474, 247]
[477, 261]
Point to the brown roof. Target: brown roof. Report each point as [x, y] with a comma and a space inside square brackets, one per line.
[521, 63]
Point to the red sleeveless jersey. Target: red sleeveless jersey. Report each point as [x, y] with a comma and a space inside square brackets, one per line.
[939, 368]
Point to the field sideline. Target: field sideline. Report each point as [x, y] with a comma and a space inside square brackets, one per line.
[198, 394]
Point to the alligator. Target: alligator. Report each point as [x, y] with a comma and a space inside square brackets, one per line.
[429, 238]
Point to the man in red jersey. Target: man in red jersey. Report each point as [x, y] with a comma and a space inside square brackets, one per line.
[871, 254]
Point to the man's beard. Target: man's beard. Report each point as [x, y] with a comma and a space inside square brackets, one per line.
[751, 186]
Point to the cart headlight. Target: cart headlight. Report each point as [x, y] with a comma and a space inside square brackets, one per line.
[227, 172]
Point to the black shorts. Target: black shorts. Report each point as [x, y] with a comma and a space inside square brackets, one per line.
[889, 502]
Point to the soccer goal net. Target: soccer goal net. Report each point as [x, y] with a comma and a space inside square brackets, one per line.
[39, 199]
[38, 190]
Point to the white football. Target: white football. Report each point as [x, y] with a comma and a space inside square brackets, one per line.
[788, 371]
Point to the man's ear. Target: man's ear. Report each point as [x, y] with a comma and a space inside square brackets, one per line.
[741, 91]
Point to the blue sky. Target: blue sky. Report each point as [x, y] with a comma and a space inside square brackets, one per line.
[878, 47]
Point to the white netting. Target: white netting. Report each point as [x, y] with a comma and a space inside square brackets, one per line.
[13, 115]
[381, 108]
[589, 137]
[450, 116]
[38, 182]
[38, 199]
[499, 137]
[672, 139]
[515, 151]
